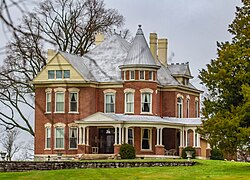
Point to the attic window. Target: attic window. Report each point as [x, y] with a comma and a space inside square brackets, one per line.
[58, 74]
[142, 75]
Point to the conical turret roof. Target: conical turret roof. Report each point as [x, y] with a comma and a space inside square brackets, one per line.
[139, 53]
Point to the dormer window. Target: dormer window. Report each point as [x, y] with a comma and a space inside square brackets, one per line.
[132, 75]
[142, 75]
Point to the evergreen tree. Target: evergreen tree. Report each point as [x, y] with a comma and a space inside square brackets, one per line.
[227, 78]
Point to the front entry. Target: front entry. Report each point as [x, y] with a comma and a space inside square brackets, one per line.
[107, 140]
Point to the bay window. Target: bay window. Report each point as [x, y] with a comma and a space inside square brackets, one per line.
[146, 105]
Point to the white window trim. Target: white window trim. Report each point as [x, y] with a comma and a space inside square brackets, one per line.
[140, 75]
[59, 125]
[70, 127]
[188, 106]
[150, 91]
[130, 76]
[109, 93]
[150, 139]
[46, 135]
[125, 106]
[60, 90]
[179, 104]
[48, 91]
[197, 111]
[77, 103]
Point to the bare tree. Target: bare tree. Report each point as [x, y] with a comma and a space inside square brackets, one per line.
[67, 25]
[9, 142]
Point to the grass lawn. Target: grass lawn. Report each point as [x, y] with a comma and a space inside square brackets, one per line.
[204, 169]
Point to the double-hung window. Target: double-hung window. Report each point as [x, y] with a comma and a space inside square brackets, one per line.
[73, 102]
[59, 101]
[132, 75]
[188, 102]
[196, 108]
[47, 137]
[146, 139]
[48, 102]
[179, 107]
[72, 137]
[150, 75]
[110, 103]
[130, 136]
[146, 99]
[129, 107]
[142, 75]
[59, 135]
[66, 74]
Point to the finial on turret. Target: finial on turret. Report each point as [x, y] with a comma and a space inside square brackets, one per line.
[139, 25]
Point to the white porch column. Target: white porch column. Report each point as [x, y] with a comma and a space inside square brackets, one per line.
[87, 143]
[126, 139]
[83, 135]
[186, 139]
[123, 130]
[115, 135]
[181, 138]
[198, 140]
[80, 135]
[120, 135]
[157, 136]
[161, 135]
[194, 138]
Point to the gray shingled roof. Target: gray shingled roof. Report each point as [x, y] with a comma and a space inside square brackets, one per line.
[101, 64]
[139, 53]
[179, 69]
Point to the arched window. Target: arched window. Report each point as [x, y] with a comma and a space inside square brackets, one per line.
[146, 100]
[129, 107]
[179, 107]
[109, 101]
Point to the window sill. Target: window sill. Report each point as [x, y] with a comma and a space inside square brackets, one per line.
[147, 150]
[59, 149]
[73, 112]
[149, 113]
[59, 112]
[47, 113]
[129, 113]
[73, 149]
[47, 149]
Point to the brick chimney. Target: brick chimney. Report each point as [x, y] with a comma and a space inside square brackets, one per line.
[51, 53]
[99, 38]
[162, 50]
[153, 44]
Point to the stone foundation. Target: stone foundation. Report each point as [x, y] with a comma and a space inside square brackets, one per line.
[55, 165]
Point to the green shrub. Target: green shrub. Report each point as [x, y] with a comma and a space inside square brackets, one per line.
[184, 155]
[216, 154]
[127, 151]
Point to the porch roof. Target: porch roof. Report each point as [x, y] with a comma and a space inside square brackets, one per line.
[101, 117]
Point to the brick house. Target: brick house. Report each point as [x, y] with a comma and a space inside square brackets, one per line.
[116, 93]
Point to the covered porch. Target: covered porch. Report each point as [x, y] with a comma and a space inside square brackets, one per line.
[103, 133]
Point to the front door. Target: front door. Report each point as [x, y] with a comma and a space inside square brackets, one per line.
[107, 140]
